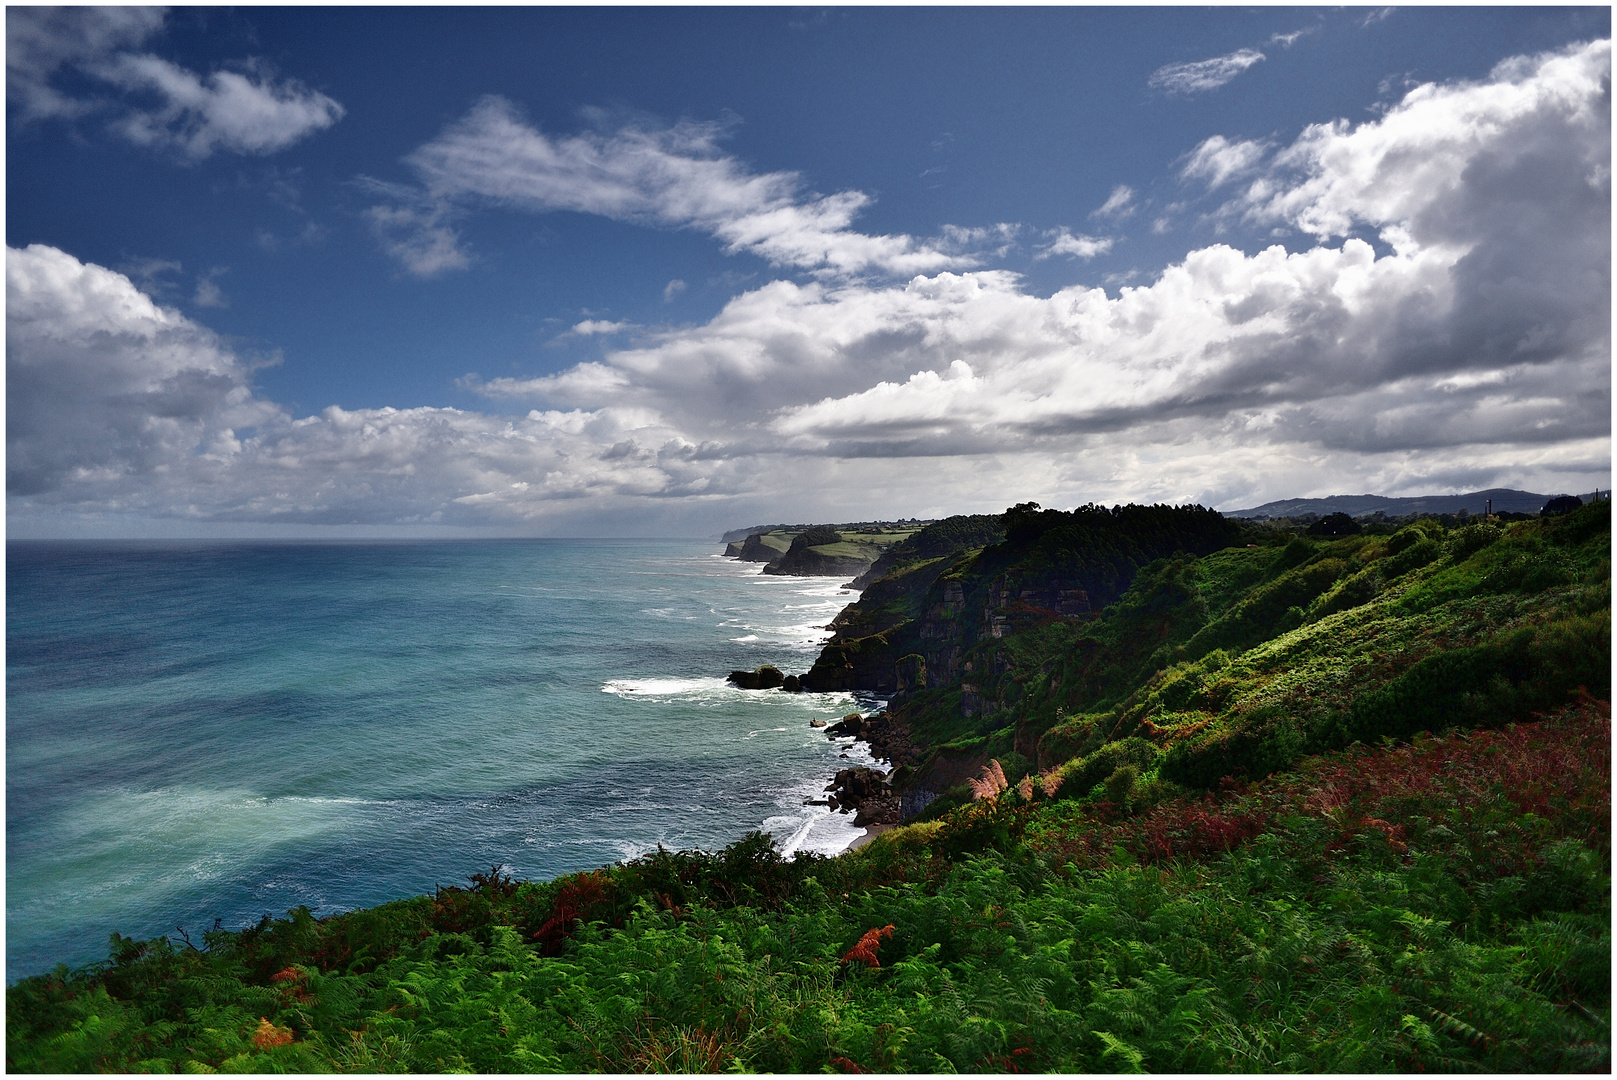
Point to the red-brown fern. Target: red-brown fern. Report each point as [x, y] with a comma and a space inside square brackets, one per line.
[864, 950]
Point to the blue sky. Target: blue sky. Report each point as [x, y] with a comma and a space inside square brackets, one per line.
[667, 271]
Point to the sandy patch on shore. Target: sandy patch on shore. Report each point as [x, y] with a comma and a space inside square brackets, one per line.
[871, 832]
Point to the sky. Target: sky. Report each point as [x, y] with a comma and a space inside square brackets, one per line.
[665, 272]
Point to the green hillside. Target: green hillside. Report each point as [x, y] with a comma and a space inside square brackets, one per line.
[1186, 795]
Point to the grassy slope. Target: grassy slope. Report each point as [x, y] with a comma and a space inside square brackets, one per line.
[1436, 905]
[1236, 662]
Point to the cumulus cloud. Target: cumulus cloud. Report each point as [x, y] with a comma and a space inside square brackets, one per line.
[103, 385]
[1495, 200]
[117, 405]
[1473, 350]
[672, 178]
[1199, 76]
[1491, 196]
[246, 109]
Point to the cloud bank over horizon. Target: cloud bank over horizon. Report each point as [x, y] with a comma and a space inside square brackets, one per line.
[1431, 313]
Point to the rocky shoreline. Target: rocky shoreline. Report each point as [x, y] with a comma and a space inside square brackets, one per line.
[865, 792]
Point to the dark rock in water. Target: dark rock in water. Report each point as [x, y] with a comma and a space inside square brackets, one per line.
[816, 723]
[792, 685]
[855, 785]
[766, 677]
[848, 725]
[887, 739]
[865, 791]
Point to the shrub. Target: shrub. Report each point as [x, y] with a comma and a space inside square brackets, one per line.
[1410, 557]
[1529, 571]
[1472, 539]
[1079, 776]
[1072, 737]
[1350, 592]
[1120, 784]
[1405, 538]
[1254, 745]
[816, 536]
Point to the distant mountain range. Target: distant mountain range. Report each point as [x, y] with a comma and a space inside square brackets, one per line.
[1505, 500]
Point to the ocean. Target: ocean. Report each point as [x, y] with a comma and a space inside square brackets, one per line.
[215, 731]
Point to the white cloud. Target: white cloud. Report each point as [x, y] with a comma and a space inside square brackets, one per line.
[672, 178]
[1063, 242]
[1538, 128]
[417, 233]
[1218, 160]
[40, 41]
[102, 385]
[1495, 199]
[116, 405]
[245, 110]
[593, 327]
[1327, 347]
[1118, 205]
[672, 289]
[150, 275]
[1199, 76]
[1474, 351]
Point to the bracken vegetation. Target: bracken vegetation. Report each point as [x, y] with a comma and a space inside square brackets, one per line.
[1335, 803]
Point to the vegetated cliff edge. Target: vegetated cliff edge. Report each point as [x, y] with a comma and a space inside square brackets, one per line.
[1178, 647]
[820, 550]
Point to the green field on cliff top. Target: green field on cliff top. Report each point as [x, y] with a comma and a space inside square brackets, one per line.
[1184, 794]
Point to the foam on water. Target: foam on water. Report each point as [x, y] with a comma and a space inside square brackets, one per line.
[665, 687]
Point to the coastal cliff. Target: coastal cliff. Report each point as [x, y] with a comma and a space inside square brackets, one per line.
[820, 550]
[1147, 641]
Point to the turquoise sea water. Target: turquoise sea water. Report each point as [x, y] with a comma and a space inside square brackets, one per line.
[220, 731]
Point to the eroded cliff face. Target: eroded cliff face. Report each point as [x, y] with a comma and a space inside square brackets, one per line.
[881, 651]
[761, 547]
[936, 625]
[811, 562]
